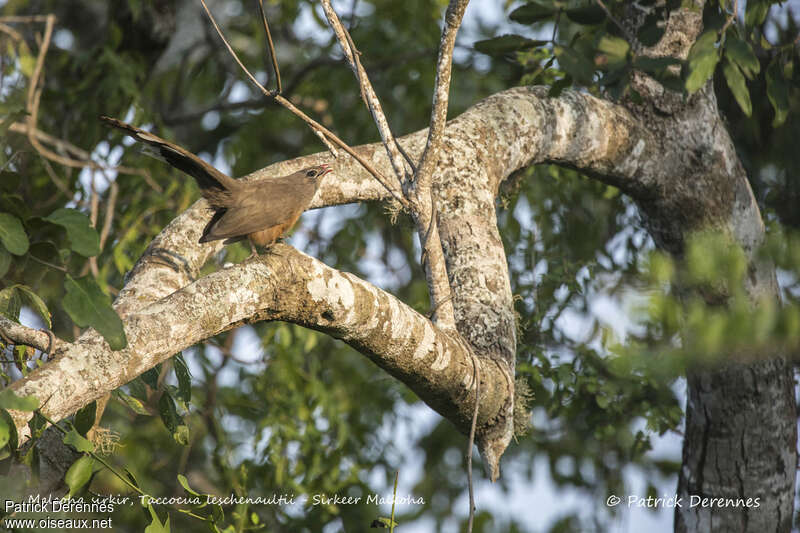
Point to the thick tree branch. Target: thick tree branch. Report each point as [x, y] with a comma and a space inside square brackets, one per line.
[284, 285]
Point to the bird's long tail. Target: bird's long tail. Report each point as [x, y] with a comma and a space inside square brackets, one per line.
[214, 185]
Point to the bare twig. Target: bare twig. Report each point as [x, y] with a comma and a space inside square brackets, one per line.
[433, 256]
[64, 146]
[29, 128]
[94, 203]
[58, 182]
[28, 18]
[19, 334]
[316, 126]
[730, 18]
[441, 91]
[14, 34]
[34, 91]
[271, 47]
[84, 160]
[367, 91]
[632, 40]
[477, 377]
[47, 263]
[331, 148]
[109, 216]
[221, 104]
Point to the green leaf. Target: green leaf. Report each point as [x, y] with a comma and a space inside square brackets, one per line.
[10, 181]
[13, 440]
[703, 59]
[531, 12]
[741, 54]
[614, 48]
[185, 484]
[5, 433]
[311, 341]
[86, 305]
[80, 444]
[9, 400]
[132, 478]
[5, 260]
[383, 522]
[755, 12]
[85, 417]
[737, 86]
[506, 44]
[36, 303]
[79, 474]
[651, 31]
[150, 377]
[574, 64]
[135, 405]
[27, 63]
[37, 424]
[777, 92]
[184, 378]
[82, 236]
[10, 303]
[12, 234]
[156, 526]
[588, 15]
[559, 85]
[656, 66]
[172, 420]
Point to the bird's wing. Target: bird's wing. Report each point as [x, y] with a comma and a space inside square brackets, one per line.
[211, 181]
[261, 205]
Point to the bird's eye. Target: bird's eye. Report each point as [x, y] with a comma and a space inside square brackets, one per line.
[311, 173]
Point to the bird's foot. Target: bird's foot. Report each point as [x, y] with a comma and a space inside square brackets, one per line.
[272, 251]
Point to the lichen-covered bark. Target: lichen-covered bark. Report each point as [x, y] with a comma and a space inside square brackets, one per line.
[284, 285]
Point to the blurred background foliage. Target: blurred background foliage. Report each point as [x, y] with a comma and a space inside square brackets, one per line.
[604, 335]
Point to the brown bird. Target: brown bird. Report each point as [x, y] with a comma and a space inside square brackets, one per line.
[261, 211]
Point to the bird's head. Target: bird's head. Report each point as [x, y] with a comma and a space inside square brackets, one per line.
[315, 173]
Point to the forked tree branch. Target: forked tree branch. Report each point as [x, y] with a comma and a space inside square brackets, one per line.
[441, 92]
[402, 168]
[420, 197]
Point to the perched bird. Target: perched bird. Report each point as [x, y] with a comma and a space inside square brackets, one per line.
[259, 210]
